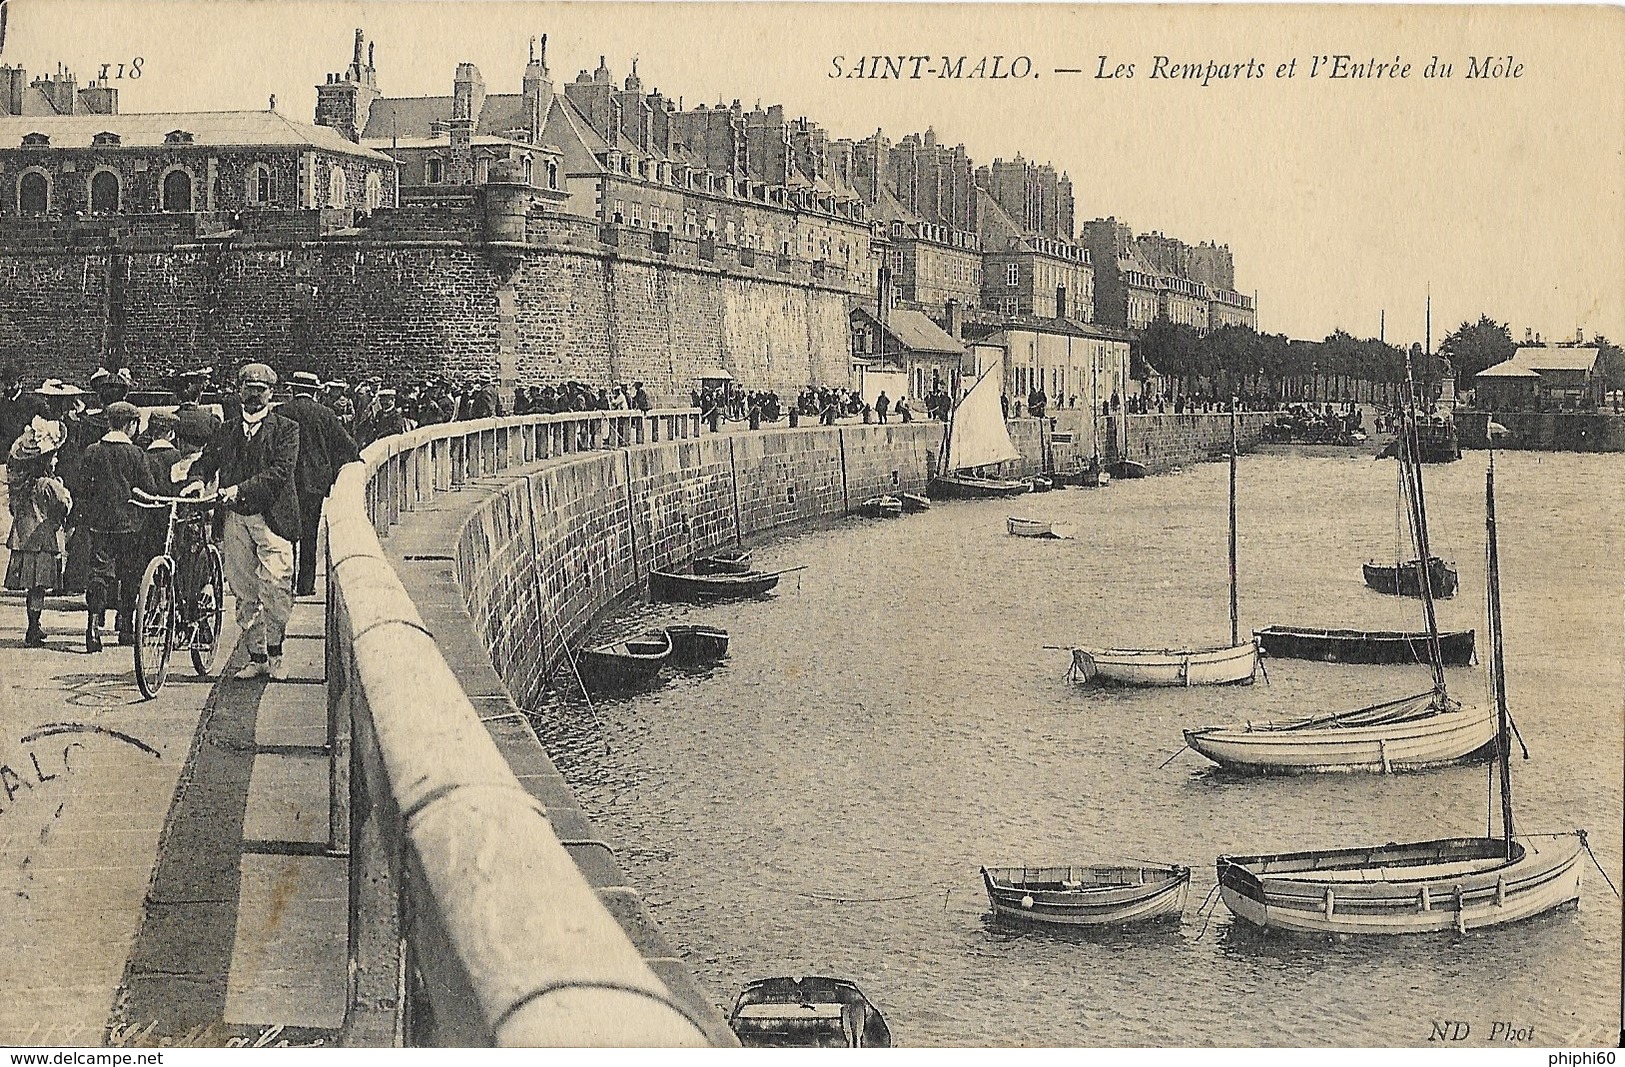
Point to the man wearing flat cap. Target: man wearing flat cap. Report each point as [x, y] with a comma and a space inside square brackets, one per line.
[324, 447]
[113, 467]
[255, 456]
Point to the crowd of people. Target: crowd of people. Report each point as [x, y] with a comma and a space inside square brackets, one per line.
[80, 461]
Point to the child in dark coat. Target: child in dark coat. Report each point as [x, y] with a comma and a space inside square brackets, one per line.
[113, 468]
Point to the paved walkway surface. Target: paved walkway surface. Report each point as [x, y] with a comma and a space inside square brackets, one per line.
[164, 869]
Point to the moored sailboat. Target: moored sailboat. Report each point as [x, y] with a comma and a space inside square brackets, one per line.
[1229, 664]
[1459, 884]
[976, 438]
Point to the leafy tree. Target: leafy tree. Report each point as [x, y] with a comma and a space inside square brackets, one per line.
[1473, 347]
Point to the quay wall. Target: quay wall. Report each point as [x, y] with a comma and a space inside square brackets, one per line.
[463, 560]
[1544, 431]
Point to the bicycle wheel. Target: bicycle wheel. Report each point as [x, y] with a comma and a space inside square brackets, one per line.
[209, 609]
[155, 622]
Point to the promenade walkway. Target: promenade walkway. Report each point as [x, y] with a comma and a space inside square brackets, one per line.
[164, 870]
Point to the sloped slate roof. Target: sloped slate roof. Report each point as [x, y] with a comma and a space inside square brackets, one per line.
[211, 128]
[1529, 360]
[915, 331]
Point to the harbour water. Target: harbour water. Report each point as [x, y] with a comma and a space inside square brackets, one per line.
[889, 721]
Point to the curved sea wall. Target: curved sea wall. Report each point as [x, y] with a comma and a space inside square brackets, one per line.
[463, 560]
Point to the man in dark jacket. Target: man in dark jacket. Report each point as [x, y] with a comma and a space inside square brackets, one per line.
[324, 447]
[255, 456]
[113, 468]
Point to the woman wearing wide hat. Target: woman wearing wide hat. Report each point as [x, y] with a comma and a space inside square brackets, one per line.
[39, 505]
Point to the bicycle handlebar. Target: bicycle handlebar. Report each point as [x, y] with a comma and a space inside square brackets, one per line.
[143, 499]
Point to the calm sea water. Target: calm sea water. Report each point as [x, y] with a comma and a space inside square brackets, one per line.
[890, 721]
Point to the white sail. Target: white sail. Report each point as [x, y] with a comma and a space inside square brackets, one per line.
[977, 434]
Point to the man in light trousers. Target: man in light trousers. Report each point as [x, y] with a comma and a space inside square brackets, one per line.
[255, 456]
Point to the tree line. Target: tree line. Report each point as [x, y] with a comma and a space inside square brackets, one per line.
[1236, 359]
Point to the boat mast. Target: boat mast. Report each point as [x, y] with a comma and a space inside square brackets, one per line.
[1503, 738]
[1410, 458]
[1235, 618]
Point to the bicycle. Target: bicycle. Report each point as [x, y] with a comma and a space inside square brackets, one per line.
[183, 592]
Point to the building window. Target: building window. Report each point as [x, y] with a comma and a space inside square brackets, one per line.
[1012, 275]
[104, 193]
[338, 188]
[375, 191]
[177, 190]
[177, 137]
[618, 216]
[896, 229]
[482, 171]
[897, 261]
[36, 140]
[436, 171]
[33, 194]
[552, 174]
[259, 186]
[103, 140]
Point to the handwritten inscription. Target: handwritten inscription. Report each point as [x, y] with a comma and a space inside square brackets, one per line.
[120, 71]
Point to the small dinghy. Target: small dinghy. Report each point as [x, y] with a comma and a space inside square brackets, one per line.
[913, 502]
[674, 585]
[624, 665]
[737, 562]
[1037, 528]
[1406, 578]
[1041, 483]
[1087, 894]
[1128, 468]
[881, 507]
[807, 1013]
[1364, 646]
[693, 645]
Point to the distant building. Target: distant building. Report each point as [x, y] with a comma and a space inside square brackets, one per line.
[1027, 272]
[181, 162]
[52, 95]
[1541, 376]
[910, 342]
[1075, 364]
[1140, 279]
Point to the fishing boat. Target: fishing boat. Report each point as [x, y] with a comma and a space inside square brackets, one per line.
[1088, 894]
[1041, 483]
[693, 645]
[882, 507]
[1363, 646]
[1038, 528]
[1457, 883]
[1128, 468]
[624, 665]
[1405, 579]
[1229, 664]
[811, 1012]
[674, 585]
[913, 502]
[1413, 732]
[976, 437]
[735, 562]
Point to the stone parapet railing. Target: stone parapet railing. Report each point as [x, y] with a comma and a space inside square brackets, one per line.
[470, 924]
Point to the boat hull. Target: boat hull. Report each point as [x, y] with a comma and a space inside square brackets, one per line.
[1124, 895]
[1227, 665]
[1128, 468]
[723, 563]
[1406, 579]
[812, 1012]
[1456, 884]
[697, 646]
[913, 502]
[881, 507]
[665, 585]
[1363, 646]
[967, 487]
[1037, 528]
[625, 666]
[1412, 744]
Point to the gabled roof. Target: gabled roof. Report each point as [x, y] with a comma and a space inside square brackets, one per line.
[913, 331]
[219, 129]
[1530, 360]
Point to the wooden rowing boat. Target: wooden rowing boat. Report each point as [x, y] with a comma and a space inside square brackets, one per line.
[1405, 579]
[1218, 665]
[1037, 528]
[693, 645]
[881, 507]
[672, 585]
[1410, 733]
[1364, 646]
[1087, 894]
[1128, 468]
[811, 1012]
[913, 502]
[624, 665]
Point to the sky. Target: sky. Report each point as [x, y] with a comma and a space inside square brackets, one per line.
[1341, 199]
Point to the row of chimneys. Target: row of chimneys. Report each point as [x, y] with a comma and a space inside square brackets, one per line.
[1530, 337]
[62, 89]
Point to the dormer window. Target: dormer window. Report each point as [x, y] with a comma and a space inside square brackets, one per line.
[106, 139]
[36, 140]
[177, 137]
